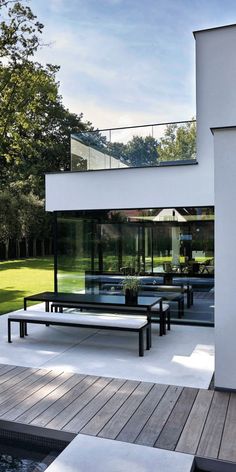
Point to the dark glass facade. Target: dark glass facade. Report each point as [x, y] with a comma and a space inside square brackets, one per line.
[169, 246]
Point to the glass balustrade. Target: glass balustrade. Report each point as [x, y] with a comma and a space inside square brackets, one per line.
[138, 146]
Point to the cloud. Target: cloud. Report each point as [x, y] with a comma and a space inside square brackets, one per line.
[110, 117]
[121, 69]
[56, 5]
[98, 70]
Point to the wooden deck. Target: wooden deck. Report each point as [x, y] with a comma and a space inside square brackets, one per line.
[189, 420]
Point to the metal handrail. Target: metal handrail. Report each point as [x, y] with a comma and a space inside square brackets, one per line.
[137, 126]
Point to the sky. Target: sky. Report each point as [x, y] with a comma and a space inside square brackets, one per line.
[127, 62]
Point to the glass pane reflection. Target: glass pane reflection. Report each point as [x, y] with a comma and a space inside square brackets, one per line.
[171, 247]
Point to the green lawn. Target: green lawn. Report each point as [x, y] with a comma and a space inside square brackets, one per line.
[28, 276]
[21, 278]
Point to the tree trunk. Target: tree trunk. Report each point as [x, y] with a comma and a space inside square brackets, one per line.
[50, 246]
[34, 247]
[42, 248]
[17, 249]
[6, 249]
[26, 248]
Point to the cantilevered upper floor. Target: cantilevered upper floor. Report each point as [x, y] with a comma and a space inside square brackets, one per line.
[107, 172]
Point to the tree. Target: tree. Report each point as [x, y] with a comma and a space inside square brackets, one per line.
[117, 150]
[19, 39]
[19, 32]
[8, 219]
[31, 218]
[141, 151]
[35, 128]
[178, 143]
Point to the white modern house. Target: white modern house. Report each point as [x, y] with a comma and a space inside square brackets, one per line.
[117, 212]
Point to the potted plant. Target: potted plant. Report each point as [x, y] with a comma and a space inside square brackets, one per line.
[130, 287]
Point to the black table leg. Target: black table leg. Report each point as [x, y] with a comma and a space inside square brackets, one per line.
[25, 329]
[9, 331]
[22, 329]
[141, 350]
[162, 320]
[150, 334]
[168, 319]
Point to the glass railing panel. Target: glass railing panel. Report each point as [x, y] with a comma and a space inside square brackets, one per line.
[139, 146]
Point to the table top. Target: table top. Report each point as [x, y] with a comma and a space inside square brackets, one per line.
[96, 299]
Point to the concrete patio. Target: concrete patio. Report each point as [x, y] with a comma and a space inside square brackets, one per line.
[184, 357]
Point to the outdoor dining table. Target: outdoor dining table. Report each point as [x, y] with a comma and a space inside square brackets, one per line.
[99, 302]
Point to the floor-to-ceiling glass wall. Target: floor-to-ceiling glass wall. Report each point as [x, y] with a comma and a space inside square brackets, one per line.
[171, 247]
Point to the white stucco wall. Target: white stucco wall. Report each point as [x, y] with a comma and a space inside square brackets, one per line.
[225, 257]
[129, 188]
[215, 85]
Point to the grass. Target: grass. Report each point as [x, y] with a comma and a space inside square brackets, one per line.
[28, 276]
[21, 278]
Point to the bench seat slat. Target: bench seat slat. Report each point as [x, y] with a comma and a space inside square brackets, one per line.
[85, 318]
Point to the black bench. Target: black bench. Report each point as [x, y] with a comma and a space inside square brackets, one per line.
[157, 316]
[85, 320]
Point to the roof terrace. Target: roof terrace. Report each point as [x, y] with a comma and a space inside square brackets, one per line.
[155, 145]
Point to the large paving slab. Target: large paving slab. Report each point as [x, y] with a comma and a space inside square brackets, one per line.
[90, 454]
[184, 357]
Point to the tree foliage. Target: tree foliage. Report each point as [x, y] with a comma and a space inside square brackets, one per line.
[142, 151]
[35, 126]
[178, 142]
[20, 32]
[8, 219]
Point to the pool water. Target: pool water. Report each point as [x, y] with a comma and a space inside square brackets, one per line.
[23, 458]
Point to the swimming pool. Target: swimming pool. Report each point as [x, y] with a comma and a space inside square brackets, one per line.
[24, 458]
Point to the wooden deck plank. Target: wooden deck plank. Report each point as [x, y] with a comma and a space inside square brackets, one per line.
[94, 426]
[177, 419]
[84, 416]
[112, 429]
[6, 368]
[15, 395]
[190, 437]
[62, 387]
[227, 447]
[212, 433]
[21, 411]
[8, 376]
[20, 402]
[21, 386]
[156, 422]
[78, 404]
[78, 385]
[138, 420]
[13, 382]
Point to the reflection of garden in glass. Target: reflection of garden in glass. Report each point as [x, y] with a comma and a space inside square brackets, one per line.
[142, 241]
